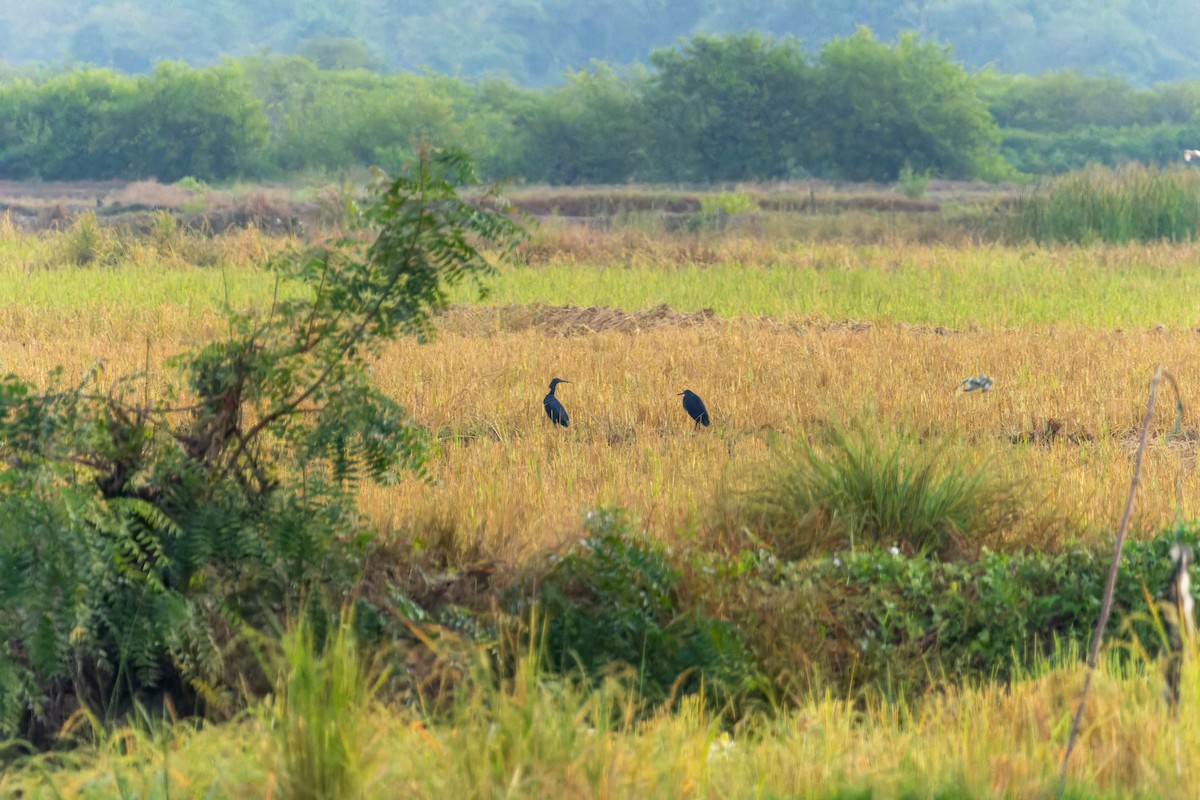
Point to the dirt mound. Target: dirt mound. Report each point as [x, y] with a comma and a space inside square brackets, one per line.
[568, 320]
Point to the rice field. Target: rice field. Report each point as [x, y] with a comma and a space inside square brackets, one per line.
[782, 339]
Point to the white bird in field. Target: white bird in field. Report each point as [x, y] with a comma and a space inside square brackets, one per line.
[983, 383]
[1188, 155]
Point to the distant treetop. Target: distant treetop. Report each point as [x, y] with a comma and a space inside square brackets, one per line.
[534, 42]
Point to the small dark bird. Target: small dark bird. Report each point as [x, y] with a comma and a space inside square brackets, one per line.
[554, 409]
[1178, 619]
[695, 407]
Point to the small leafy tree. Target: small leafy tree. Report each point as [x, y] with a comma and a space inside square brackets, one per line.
[136, 532]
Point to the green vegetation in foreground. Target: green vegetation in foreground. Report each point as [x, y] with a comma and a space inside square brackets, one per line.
[957, 287]
[539, 736]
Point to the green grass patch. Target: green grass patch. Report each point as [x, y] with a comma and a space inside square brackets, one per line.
[322, 736]
[992, 287]
[1132, 204]
[956, 287]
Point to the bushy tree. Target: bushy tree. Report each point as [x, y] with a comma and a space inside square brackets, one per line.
[1060, 101]
[95, 124]
[65, 128]
[203, 123]
[335, 120]
[137, 532]
[731, 108]
[884, 106]
[593, 129]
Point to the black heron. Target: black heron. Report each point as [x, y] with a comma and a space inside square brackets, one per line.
[554, 409]
[1178, 619]
[695, 407]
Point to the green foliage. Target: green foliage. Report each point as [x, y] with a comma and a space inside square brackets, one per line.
[85, 243]
[340, 53]
[195, 122]
[912, 184]
[728, 203]
[712, 108]
[1133, 204]
[322, 731]
[159, 525]
[96, 124]
[1065, 120]
[69, 127]
[336, 120]
[590, 129]
[192, 184]
[613, 600]
[885, 106]
[717, 209]
[898, 623]
[860, 493]
[729, 108]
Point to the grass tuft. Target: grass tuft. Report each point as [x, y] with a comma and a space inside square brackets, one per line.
[1098, 204]
[861, 493]
[323, 739]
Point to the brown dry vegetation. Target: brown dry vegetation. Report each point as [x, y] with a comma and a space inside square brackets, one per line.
[1060, 420]
[809, 196]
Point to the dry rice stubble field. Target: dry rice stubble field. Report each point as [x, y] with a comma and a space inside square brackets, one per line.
[1060, 420]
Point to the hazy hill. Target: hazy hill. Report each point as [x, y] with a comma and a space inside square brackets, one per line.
[534, 41]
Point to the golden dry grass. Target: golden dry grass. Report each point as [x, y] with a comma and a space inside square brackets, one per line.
[512, 480]
[546, 740]
[1060, 420]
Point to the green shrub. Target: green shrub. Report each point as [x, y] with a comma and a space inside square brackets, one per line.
[614, 600]
[85, 243]
[728, 203]
[860, 493]
[192, 184]
[912, 183]
[899, 624]
[717, 209]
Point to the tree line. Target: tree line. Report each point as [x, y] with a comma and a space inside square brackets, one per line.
[534, 41]
[710, 109]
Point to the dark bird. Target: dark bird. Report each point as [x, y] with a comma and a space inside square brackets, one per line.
[694, 406]
[1178, 619]
[554, 409]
